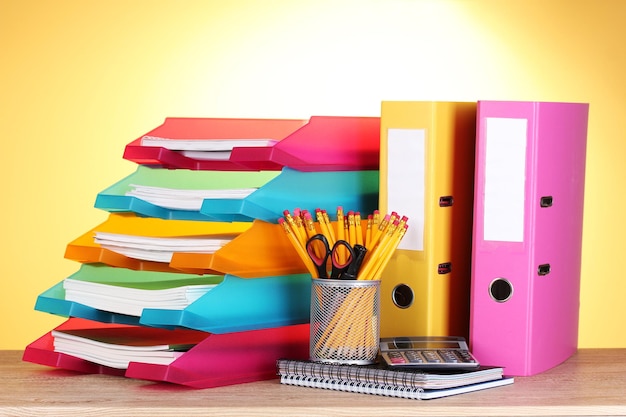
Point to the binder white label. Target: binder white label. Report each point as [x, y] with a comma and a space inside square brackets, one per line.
[505, 178]
[406, 182]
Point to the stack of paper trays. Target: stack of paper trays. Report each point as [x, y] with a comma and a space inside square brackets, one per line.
[192, 247]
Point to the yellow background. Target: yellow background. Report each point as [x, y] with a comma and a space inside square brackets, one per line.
[81, 79]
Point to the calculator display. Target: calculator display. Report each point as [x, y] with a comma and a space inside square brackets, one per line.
[423, 344]
[446, 352]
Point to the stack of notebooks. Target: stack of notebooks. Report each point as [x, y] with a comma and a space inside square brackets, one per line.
[379, 379]
[190, 280]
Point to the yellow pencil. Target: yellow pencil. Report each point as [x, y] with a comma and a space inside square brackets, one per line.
[301, 233]
[368, 231]
[375, 224]
[324, 227]
[309, 225]
[393, 217]
[340, 235]
[342, 331]
[386, 257]
[382, 226]
[351, 229]
[376, 218]
[370, 265]
[403, 221]
[297, 230]
[311, 231]
[328, 225]
[288, 218]
[358, 228]
[308, 263]
[385, 248]
[341, 254]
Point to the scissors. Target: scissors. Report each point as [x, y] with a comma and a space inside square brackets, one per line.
[320, 253]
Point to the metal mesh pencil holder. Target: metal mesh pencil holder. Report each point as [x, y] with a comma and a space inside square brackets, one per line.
[345, 324]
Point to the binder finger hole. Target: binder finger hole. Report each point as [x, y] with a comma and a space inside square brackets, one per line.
[402, 296]
[500, 290]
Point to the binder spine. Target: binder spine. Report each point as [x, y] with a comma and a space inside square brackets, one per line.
[426, 172]
[527, 233]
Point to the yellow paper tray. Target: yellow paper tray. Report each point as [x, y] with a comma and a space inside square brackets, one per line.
[85, 250]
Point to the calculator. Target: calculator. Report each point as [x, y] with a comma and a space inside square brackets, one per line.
[427, 352]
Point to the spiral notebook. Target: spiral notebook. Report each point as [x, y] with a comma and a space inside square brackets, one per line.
[389, 390]
[378, 379]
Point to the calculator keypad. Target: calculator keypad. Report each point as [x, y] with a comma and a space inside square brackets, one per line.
[430, 357]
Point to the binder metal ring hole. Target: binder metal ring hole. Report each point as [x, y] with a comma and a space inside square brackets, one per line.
[446, 201]
[545, 201]
[444, 268]
[500, 290]
[543, 269]
[402, 296]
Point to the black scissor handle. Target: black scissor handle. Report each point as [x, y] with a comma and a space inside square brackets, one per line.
[313, 248]
[338, 267]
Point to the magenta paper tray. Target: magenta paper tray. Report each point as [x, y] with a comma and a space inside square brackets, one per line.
[218, 360]
[230, 358]
[324, 143]
[208, 128]
[41, 351]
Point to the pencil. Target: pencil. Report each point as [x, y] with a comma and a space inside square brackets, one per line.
[309, 226]
[382, 226]
[301, 233]
[386, 257]
[324, 227]
[308, 263]
[297, 230]
[358, 229]
[351, 229]
[340, 235]
[329, 225]
[311, 231]
[345, 336]
[370, 265]
[376, 218]
[341, 254]
[393, 217]
[368, 231]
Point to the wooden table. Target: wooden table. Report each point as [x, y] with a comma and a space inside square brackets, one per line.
[592, 382]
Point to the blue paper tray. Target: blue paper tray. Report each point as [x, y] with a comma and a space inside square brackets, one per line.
[114, 198]
[236, 304]
[354, 190]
